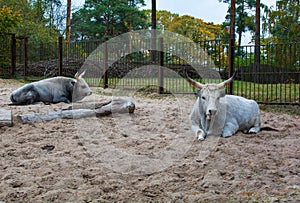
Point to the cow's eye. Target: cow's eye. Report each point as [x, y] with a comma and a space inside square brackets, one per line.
[203, 97]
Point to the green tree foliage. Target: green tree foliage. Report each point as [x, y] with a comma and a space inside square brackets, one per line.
[9, 19]
[103, 19]
[188, 26]
[35, 22]
[207, 35]
[244, 17]
[284, 22]
[283, 25]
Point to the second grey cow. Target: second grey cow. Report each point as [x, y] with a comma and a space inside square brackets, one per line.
[216, 113]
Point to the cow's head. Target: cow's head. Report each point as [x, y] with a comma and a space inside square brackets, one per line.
[209, 95]
[81, 88]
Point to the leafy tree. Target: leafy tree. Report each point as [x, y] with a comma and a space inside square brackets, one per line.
[188, 26]
[203, 33]
[103, 19]
[244, 17]
[34, 23]
[284, 22]
[9, 19]
[164, 18]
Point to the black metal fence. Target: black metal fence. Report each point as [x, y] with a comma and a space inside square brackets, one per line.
[7, 55]
[131, 65]
[276, 79]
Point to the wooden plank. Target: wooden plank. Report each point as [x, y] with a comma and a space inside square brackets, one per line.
[6, 117]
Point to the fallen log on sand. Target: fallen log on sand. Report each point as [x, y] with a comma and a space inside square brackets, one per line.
[5, 118]
[117, 105]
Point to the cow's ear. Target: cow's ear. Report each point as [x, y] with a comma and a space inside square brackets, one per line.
[222, 93]
[198, 91]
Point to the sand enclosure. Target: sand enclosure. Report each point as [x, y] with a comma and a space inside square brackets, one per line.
[150, 155]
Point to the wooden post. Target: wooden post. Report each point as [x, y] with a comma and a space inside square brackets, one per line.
[5, 118]
[160, 65]
[25, 56]
[231, 45]
[13, 55]
[60, 55]
[153, 32]
[105, 75]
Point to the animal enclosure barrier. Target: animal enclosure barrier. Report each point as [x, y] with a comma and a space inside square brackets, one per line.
[275, 80]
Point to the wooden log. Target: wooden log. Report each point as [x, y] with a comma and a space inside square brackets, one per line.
[64, 114]
[118, 105]
[6, 118]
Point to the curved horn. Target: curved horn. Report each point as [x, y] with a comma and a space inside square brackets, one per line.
[193, 82]
[226, 82]
[76, 75]
[82, 74]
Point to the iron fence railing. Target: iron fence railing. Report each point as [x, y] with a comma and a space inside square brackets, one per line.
[131, 65]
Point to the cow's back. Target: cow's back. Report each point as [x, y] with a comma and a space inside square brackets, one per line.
[52, 88]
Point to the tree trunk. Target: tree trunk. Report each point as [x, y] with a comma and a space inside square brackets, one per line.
[231, 44]
[240, 32]
[257, 34]
[68, 23]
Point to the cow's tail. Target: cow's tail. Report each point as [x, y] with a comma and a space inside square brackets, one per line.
[268, 128]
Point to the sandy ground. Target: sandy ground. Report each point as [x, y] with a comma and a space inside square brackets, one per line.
[149, 156]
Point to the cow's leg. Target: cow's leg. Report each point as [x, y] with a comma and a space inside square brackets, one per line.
[256, 127]
[200, 134]
[58, 99]
[25, 95]
[31, 97]
[197, 120]
[230, 128]
[253, 130]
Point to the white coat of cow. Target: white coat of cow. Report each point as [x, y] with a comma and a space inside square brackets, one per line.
[216, 113]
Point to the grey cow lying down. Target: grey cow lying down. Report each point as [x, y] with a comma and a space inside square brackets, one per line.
[52, 90]
[216, 113]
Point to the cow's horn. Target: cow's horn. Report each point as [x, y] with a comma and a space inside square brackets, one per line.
[82, 74]
[226, 82]
[76, 75]
[193, 82]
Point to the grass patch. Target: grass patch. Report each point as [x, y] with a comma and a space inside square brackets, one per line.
[263, 93]
[285, 109]
[150, 91]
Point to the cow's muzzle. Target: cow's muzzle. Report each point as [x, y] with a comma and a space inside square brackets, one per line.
[211, 113]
